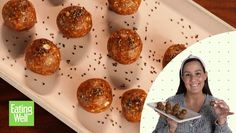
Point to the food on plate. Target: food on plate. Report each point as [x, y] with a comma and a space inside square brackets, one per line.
[175, 109]
[124, 46]
[42, 56]
[171, 52]
[74, 21]
[124, 7]
[160, 106]
[19, 15]
[132, 104]
[182, 114]
[94, 95]
[168, 108]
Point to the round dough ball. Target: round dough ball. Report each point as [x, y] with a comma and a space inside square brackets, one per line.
[42, 56]
[160, 106]
[171, 52]
[132, 104]
[124, 46]
[95, 95]
[182, 114]
[19, 15]
[74, 21]
[124, 7]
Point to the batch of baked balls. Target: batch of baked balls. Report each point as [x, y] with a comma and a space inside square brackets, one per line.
[175, 110]
[42, 56]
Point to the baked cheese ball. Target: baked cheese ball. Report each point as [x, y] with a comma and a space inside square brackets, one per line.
[171, 52]
[74, 21]
[124, 46]
[19, 15]
[124, 7]
[42, 56]
[94, 95]
[132, 104]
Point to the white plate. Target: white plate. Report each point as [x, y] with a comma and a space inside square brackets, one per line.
[160, 23]
[191, 115]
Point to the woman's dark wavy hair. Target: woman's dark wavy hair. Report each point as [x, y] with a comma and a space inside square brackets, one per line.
[182, 88]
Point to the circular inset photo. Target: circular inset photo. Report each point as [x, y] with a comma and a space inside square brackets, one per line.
[195, 91]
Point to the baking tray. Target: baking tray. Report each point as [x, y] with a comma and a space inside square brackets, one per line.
[191, 115]
[160, 23]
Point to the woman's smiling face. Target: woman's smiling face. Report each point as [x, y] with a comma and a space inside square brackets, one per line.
[194, 77]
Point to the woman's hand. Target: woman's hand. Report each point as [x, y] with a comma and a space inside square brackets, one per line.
[172, 125]
[222, 111]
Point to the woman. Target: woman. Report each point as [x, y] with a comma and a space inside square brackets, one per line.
[194, 93]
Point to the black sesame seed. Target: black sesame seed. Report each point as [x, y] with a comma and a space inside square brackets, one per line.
[67, 61]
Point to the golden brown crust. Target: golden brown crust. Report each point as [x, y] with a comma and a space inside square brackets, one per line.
[175, 109]
[124, 46]
[181, 114]
[74, 21]
[160, 106]
[171, 52]
[132, 104]
[124, 7]
[42, 56]
[168, 108]
[19, 15]
[95, 95]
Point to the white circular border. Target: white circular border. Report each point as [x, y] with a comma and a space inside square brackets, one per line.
[218, 54]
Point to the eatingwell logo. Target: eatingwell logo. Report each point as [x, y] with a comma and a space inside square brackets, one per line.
[21, 113]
